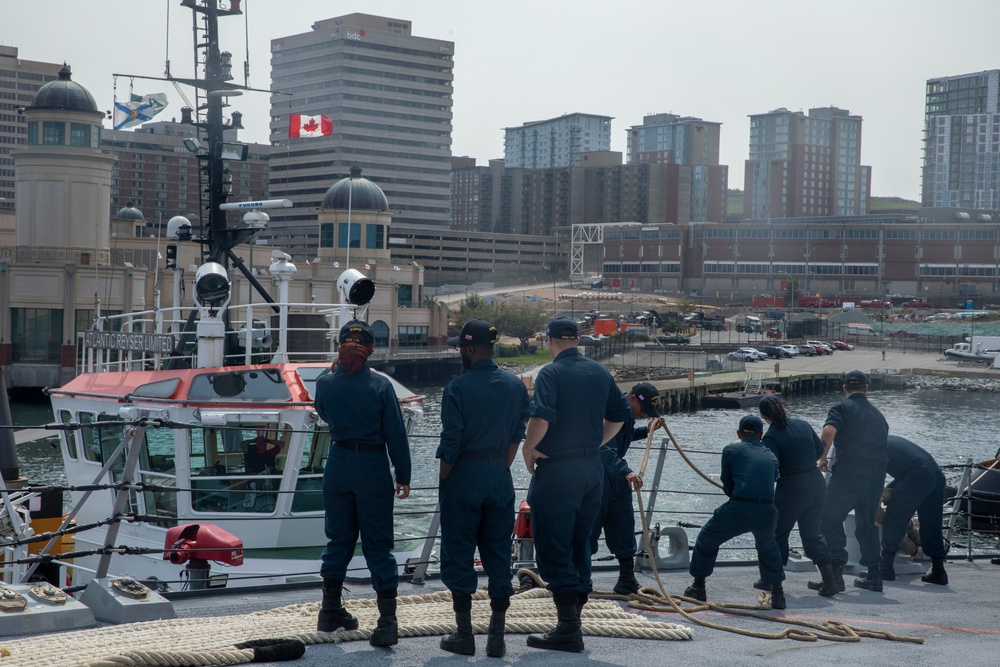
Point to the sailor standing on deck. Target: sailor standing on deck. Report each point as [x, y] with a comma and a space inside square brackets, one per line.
[616, 516]
[858, 474]
[483, 414]
[918, 486]
[362, 411]
[576, 408]
[749, 470]
[801, 490]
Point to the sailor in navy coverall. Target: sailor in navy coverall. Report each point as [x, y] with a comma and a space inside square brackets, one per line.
[365, 421]
[616, 516]
[576, 408]
[801, 490]
[483, 416]
[858, 474]
[749, 470]
[918, 486]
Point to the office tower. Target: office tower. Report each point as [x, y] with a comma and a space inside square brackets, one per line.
[692, 146]
[962, 142]
[388, 94]
[19, 81]
[556, 142]
[805, 165]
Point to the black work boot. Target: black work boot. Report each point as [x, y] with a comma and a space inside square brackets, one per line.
[887, 566]
[828, 587]
[872, 580]
[838, 580]
[332, 614]
[937, 575]
[697, 590]
[777, 596]
[566, 636]
[627, 583]
[462, 641]
[386, 632]
[496, 646]
[762, 585]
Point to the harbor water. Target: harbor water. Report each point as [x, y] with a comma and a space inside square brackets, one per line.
[948, 424]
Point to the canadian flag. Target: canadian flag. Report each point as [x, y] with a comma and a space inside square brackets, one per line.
[309, 126]
[368, 267]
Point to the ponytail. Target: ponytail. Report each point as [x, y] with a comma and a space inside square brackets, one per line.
[771, 407]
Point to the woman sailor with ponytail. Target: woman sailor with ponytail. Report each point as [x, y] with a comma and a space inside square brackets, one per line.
[801, 490]
[367, 433]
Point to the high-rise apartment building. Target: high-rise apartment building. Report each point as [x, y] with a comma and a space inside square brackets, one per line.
[389, 95]
[962, 142]
[19, 81]
[693, 145]
[805, 165]
[557, 142]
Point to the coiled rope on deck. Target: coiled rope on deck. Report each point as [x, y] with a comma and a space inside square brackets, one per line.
[650, 599]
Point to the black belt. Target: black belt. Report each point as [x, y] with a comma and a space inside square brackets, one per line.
[577, 454]
[798, 472]
[360, 446]
[481, 454]
[755, 501]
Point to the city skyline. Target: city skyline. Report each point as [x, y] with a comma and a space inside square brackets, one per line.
[530, 62]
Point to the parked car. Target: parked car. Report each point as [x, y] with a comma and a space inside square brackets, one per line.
[742, 354]
[774, 352]
[713, 364]
[673, 339]
[841, 345]
[589, 341]
[903, 333]
[808, 350]
[790, 350]
[916, 303]
[820, 346]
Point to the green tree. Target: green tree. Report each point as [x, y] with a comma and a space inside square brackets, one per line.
[474, 307]
[522, 321]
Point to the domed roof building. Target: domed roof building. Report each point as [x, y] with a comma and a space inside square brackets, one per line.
[65, 94]
[129, 221]
[356, 192]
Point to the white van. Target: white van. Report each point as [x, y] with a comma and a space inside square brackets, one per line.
[860, 330]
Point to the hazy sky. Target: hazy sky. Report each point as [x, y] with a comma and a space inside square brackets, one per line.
[518, 61]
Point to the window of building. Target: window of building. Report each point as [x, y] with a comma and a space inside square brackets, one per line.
[53, 133]
[412, 336]
[36, 334]
[404, 296]
[326, 235]
[79, 135]
[375, 237]
[381, 332]
[33, 133]
[355, 237]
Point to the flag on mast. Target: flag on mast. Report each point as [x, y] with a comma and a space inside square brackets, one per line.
[138, 110]
[309, 126]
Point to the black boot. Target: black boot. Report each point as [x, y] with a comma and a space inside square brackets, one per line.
[496, 646]
[838, 580]
[828, 587]
[872, 580]
[697, 590]
[887, 566]
[332, 615]
[627, 583]
[566, 636]
[462, 640]
[937, 575]
[386, 632]
[762, 585]
[777, 596]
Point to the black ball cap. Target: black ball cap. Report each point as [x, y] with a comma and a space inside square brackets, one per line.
[856, 379]
[475, 332]
[356, 331]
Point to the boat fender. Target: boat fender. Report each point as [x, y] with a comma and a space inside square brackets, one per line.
[522, 524]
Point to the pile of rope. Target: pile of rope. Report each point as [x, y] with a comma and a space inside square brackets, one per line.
[222, 640]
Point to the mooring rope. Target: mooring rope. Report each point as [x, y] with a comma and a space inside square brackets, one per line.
[650, 599]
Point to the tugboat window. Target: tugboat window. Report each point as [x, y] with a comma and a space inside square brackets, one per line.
[257, 385]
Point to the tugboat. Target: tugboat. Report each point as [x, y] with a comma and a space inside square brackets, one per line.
[189, 435]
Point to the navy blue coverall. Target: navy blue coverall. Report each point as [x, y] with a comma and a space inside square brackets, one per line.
[482, 413]
[858, 475]
[365, 421]
[616, 516]
[574, 395]
[918, 486]
[801, 489]
[749, 470]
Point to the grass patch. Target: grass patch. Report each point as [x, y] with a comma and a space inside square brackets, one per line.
[539, 357]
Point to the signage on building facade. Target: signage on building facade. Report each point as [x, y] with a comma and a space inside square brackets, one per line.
[129, 342]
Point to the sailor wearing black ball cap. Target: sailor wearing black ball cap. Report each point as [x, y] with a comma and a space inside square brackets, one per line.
[749, 470]
[617, 516]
